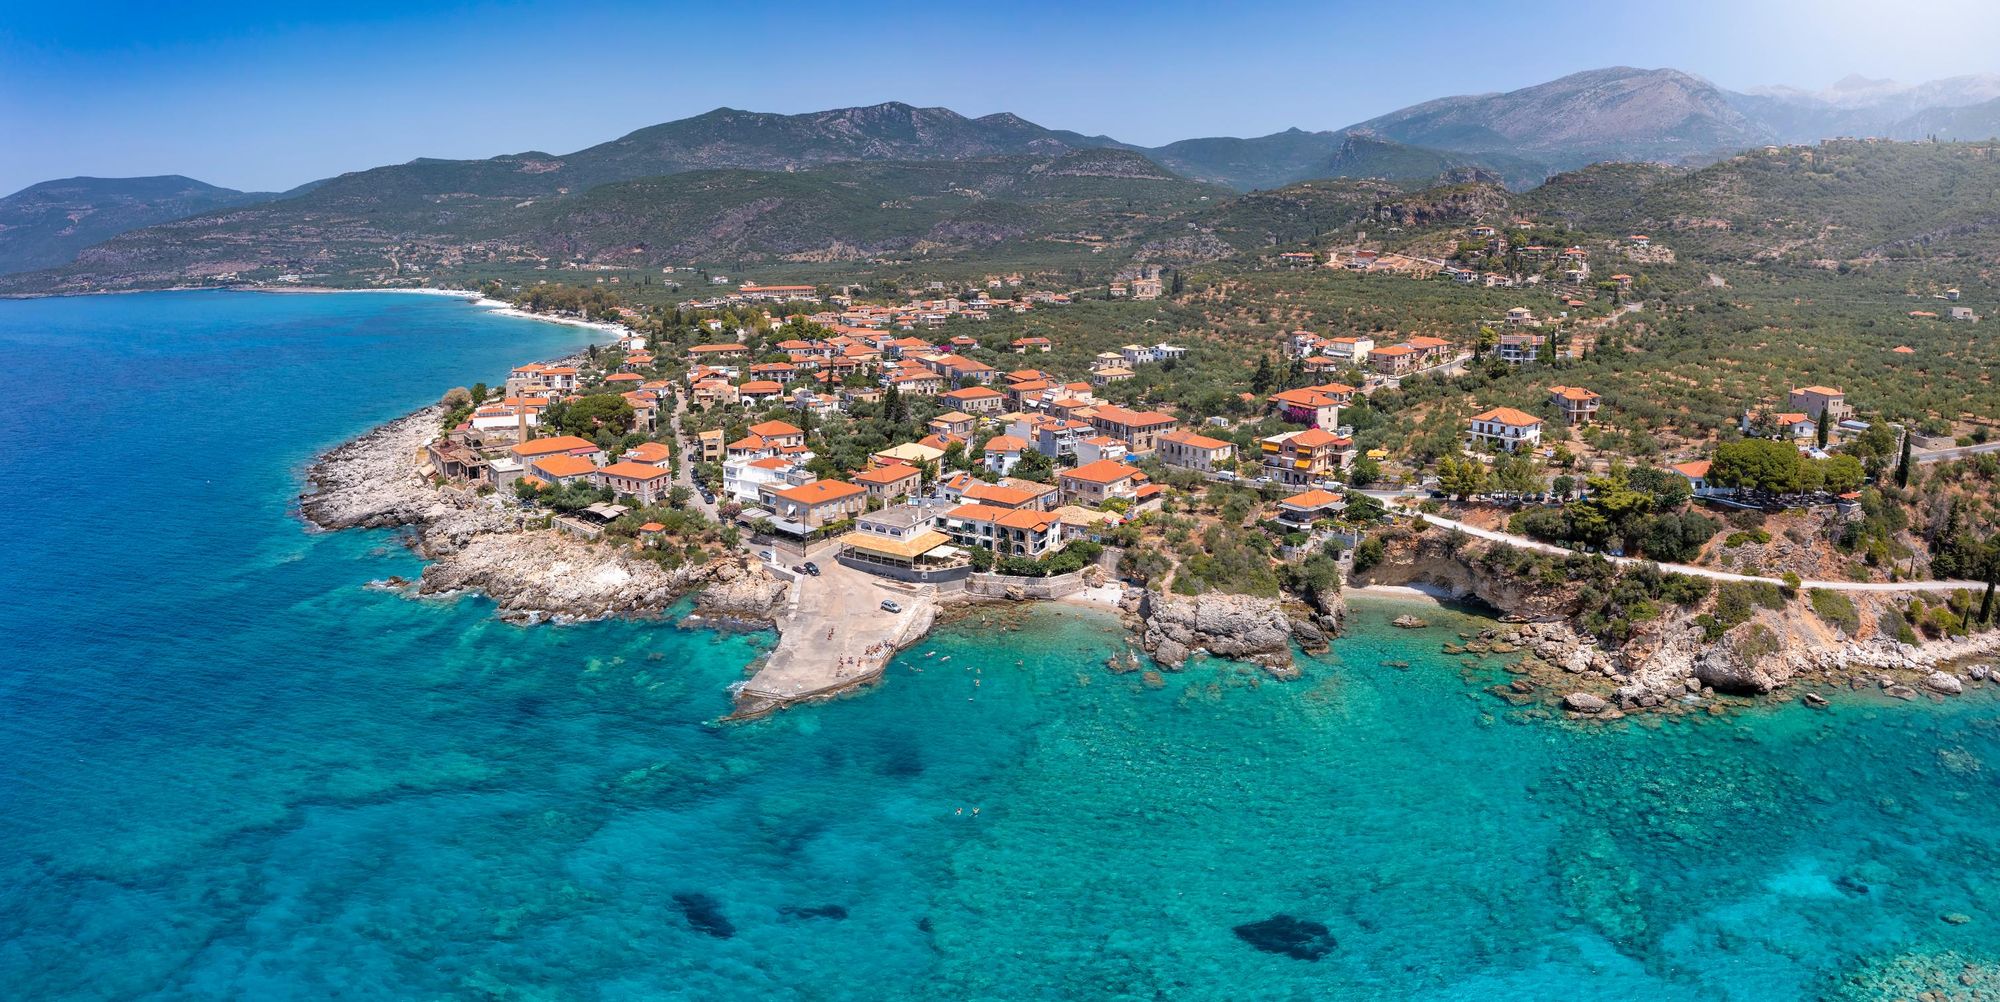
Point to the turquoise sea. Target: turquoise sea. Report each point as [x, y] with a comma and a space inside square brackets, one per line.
[230, 770]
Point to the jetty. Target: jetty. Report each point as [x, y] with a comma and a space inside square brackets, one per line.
[834, 636]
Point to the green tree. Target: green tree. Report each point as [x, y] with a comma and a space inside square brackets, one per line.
[1825, 423]
[1758, 464]
[1034, 466]
[1903, 465]
[1461, 477]
[591, 416]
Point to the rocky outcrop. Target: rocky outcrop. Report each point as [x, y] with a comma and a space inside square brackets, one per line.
[1429, 558]
[1240, 627]
[743, 591]
[544, 575]
[372, 482]
[481, 544]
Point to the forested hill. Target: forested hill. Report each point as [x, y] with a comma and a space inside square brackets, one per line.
[349, 232]
[45, 225]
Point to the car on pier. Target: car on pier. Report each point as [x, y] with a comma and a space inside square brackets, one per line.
[889, 605]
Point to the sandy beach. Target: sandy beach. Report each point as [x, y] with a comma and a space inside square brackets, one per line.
[1408, 592]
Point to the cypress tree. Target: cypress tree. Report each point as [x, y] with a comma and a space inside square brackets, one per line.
[1903, 465]
[1821, 431]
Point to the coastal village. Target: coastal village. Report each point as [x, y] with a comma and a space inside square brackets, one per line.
[869, 458]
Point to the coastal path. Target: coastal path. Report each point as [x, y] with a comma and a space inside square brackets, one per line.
[1689, 569]
[833, 636]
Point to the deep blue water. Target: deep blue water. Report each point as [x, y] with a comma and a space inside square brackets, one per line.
[230, 770]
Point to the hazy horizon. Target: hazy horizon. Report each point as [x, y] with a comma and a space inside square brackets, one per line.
[250, 98]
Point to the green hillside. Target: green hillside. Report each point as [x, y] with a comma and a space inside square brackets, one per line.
[1849, 201]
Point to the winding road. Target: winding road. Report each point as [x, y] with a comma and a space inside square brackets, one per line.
[1689, 569]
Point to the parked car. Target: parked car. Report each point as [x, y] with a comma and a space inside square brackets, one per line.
[798, 568]
[889, 605]
[812, 568]
[1225, 476]
[768, 558]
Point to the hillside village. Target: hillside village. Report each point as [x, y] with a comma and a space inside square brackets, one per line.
[1271, 427]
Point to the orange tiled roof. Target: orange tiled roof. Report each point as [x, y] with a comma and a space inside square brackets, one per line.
[820, 492]
[1508, 416]
[1104, 471]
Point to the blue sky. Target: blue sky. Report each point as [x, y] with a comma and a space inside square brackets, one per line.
[253, 96]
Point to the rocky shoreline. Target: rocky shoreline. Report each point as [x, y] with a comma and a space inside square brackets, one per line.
[1672, 666]
[479, 543]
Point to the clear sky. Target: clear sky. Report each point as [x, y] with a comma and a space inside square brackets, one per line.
[250, 95]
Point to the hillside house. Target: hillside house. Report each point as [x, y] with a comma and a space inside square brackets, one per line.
[975, 399]
[1003, 453]
[1314, 406]
[812, 506]
[1578, 405]
[1095, 483]
[1505, 428]
[890, 482]
[1814, 399]
[1301, 510]
[1139, 430]
[1190, 451]
[1306, 457]
[1515, 349]
[648, 483]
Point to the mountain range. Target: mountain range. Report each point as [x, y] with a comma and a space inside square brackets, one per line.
[621, 197]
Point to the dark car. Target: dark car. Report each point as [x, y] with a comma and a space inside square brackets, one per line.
[812, 568]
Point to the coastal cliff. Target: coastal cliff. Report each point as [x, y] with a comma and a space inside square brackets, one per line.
[476, 544]
[1173, 628]
[1664, 652]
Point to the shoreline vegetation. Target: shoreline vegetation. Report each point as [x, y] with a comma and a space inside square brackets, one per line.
[542, 576]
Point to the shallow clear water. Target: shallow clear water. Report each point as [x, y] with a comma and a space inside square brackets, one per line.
[228, 769]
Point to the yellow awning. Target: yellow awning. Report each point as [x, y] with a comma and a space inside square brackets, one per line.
[907, 548]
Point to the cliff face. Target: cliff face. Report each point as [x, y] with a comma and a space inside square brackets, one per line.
[1429, 559]
[1668, 656]
[1241, 627]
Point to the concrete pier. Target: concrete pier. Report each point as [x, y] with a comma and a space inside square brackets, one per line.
[835, 636]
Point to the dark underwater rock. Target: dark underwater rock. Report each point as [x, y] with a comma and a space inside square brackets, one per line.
[704, 913]
[1293, 937]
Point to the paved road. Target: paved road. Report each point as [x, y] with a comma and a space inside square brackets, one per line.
[1704, 572]
[1958, 452]
[685, 477]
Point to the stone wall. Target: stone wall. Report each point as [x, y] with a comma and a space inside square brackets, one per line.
[1010, 586]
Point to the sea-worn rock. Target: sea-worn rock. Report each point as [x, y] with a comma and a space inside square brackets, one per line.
[742, 590]
[1944, 682]
[1409, 622]
[1308, 635]
[532, 576]
[1814, 700]
[1293, 937]
[373, 481]
[1240, 627]
[1584, 702]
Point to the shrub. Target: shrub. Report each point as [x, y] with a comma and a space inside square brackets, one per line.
[1836, 609]
[1756, 643]
[1368, 554]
